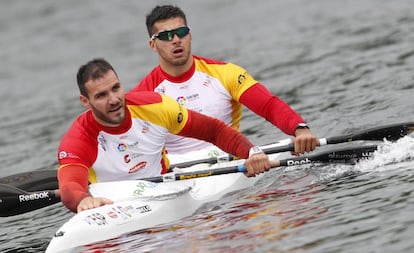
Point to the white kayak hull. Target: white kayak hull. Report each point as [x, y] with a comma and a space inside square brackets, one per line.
[109, 221]
[142, 205]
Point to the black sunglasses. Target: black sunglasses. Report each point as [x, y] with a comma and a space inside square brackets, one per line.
[169, 34]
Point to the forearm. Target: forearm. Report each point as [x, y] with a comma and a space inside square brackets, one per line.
[272, 108]
[215, 131]
[73, 185]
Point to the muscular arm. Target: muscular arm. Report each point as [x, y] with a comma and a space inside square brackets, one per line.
[215, 131]
[73, 185]
[272, 108]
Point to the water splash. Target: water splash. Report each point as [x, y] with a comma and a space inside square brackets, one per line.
[388, 153]
[388, 156]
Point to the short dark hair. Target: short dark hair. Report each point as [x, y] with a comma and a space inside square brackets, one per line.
[92, 70]
[163, 12]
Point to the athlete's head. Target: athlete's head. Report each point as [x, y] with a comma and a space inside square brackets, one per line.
[101, 92]
[163, 12]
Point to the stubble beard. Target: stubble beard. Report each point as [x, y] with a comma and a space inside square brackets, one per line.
[181, 61]
[106, 120]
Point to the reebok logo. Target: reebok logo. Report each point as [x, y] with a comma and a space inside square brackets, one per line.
[33, 196]
[292, 162]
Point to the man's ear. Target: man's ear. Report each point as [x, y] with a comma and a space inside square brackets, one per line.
[84, 100]
[152, 45]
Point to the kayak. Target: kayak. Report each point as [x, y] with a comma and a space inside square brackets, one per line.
[141, 204]
[207, 176]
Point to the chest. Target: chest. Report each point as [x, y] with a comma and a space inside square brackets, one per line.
[202, 93]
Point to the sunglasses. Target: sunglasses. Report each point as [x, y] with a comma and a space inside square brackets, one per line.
[169, 34]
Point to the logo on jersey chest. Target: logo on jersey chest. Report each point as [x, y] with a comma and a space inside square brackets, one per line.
[102, 142]
[122, 147]
[138, 167]
[183, 100]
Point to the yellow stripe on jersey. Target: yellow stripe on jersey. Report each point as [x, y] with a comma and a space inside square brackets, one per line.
[92, 176]
[168, 114]
[233, 77]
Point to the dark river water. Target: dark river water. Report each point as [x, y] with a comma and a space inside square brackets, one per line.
[344, 65]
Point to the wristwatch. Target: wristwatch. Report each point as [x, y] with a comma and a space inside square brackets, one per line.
[302, 126]
[255, 150]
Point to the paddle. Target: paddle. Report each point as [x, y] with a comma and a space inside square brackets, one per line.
[47, 179]
[390, 132]
[9, 194]
[338, 155]
[33, 181]
[15, 201]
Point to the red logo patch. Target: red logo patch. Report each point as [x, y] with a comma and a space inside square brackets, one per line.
[137, 167]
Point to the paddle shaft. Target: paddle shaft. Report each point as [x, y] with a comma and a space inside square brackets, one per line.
[390, 132]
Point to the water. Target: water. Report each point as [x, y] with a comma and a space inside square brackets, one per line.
[344, 65]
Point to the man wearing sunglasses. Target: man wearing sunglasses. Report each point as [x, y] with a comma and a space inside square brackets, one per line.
[211, 87]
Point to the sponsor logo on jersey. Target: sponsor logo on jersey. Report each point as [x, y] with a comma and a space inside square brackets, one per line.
[122, 147]
[193, 97]
[63, 154]
[181, 100]
[102, 142]
[129, 157]
[180, 117]
[207, 82]
[160, 89]
[242, 78]
[137, 167]
[146, 127]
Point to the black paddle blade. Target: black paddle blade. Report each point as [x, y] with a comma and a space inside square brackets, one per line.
[14, 201]
[33, 181]
[389, 132]
[349, 155]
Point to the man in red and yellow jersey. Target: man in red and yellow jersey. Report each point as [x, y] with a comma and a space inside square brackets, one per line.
[211, 87]
[122, 137]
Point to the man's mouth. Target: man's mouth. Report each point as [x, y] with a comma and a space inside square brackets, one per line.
[178, 51]
[116, 109]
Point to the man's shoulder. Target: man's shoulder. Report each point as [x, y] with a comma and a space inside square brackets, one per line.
[142, 97]
[205, 60]
[83, 125]
[150, 81]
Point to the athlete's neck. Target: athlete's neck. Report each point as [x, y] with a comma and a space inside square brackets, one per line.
[183, 76]
[177, 70]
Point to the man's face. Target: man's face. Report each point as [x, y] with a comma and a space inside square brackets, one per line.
[106, 99]
[175, 52]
